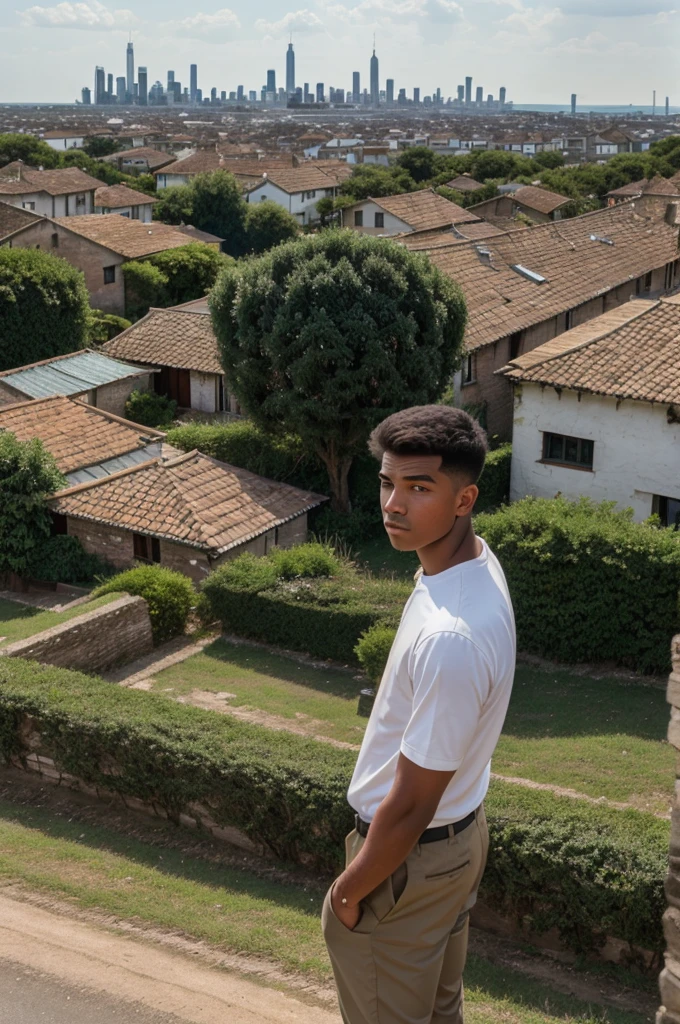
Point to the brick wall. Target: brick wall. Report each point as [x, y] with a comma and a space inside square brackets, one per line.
[111, 635]
[180, 558]
[669, 981]
[8, 395]
[112, 397]
[115, 546]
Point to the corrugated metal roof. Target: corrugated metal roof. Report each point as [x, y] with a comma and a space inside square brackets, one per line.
[110, 466]
[69, 376]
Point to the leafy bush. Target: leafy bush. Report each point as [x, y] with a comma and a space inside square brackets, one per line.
[150, 409]
[306, 599]
[169, 595]
[105, 326]
[494, 485]
[587, 583]
[28, 475]
[373, 650]
[171, 277]
[587, 871]
[63, 559]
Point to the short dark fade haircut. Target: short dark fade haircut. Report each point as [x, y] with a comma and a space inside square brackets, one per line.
[434, 430]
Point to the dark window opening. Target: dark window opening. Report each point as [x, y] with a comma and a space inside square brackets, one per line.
[380, 220]
[569, 451]
[58, 525]
[175, 384]
[668, 510]
[469, 370]
[146, 549]
[569, 319]
[55, 240]
[648, 282]
[109, 275]
[515, 344]
[358, 218]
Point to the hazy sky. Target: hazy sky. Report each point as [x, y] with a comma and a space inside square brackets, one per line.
[608, 51]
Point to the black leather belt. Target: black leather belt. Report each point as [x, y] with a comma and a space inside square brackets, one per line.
[430, 835]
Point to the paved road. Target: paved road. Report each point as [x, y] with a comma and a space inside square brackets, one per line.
[55, 970]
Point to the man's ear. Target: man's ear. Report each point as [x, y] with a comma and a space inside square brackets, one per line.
[466, 500]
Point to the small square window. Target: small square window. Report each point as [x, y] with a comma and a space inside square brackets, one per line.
[568, 451]
[28, 206]
[358, 218]
[55, 240]
[109, 275]
[380, 220]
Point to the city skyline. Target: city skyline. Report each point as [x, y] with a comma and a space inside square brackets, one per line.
[608, 52]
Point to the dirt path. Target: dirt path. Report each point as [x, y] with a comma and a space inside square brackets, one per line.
[91, 959]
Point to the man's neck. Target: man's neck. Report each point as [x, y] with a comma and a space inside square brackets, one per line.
[460, 544]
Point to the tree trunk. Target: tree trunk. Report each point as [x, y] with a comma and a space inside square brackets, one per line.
[338, 467]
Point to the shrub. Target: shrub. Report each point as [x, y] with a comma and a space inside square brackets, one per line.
[560, 863]
[150, 409]
[28, 475]
[63, 559]
[494, 485]
[587, 583]
[169, 595]
[306, 599]
[373, 650]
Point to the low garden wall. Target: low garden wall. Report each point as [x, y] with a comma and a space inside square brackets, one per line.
[113, 634]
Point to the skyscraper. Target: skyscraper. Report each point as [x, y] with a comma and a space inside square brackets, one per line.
[356, 87]
[130, 69]
[461, 93]
[121, 89]
[109, 89]
[193, 80]
[290, 70]
[171, 81]
[143, 87]
[375, 80]
[319, 92]
[86, 96]
[573, 103]
[271, 82]
[416, 97]
[468, 92]
[501, 96]
[240, 94]
[389, 92]
[99, 86]
[479, 95]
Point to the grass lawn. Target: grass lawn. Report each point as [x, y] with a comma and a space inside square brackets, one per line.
[96, 867]
[603, 737]
[18, 621]
[379, 557]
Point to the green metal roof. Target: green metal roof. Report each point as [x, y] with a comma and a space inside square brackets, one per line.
[69, 375]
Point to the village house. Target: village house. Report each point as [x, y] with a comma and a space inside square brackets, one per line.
[464, 183]
[657, 186]
[525, 287]
[539, 204]
[189, 513]
[139, 160]
[597, 412]
[425, 210]
[247, 171]
[87, 443]
[194, 235]
[179, 341]
[299, 189]
[95, 378]
[124, 201]
[64, 192]
[62, 139]
[98, 246]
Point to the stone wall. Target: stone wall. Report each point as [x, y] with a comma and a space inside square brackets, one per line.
[111, 635]
[669, 982]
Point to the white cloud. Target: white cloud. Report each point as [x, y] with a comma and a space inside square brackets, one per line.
[532, 21]
[91, 16]
[388, 12]
[212, 28]
[293, 21]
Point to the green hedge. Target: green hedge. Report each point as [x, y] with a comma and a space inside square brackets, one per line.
[586, 870]
[494, 485]
[321, 614]
[587, 583]
[169, 595]
[63, 559]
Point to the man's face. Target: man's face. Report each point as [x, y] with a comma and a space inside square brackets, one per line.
[420, 503]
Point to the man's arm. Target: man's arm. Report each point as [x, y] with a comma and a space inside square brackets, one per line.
[402, 817]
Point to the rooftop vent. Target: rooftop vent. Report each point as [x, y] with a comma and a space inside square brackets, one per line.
[601, 238]
[484, 254]
[530, 275]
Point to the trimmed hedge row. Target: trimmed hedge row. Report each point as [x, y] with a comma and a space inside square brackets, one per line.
[494, 484]
[587, 871]
[587, 583]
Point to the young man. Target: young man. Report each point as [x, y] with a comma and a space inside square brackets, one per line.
[396, 920]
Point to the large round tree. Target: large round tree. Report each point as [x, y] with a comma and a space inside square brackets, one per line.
[44, 307]
[326, 335]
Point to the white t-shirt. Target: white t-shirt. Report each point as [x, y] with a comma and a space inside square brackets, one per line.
[446, 688]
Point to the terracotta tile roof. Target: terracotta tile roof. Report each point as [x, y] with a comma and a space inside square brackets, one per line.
[464, 183]
[424, 210]
[630, 352]
[307, 177]
[152, 157]
[576, 268]
[194, 235]
[181, 338]
[13, 218]
[660, 186]
[16, 179]
[632, 190]
[128, 238]
[540, 199]
[191, 500]
[77, 434]
[204, 161]
[438, 237]
[115, 196]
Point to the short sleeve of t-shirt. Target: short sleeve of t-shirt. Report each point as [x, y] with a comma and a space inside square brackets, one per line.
[451, 681]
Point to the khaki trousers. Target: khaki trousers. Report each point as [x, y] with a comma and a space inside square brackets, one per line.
[403, 963]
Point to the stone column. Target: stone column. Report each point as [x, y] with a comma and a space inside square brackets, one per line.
[669, 981]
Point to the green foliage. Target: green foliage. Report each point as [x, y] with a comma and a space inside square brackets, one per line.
[420, 162]
[175, 205]
[494, 485]
[171, 277]
[587, 583]
[371, 180]
[169, 595]
[44, 307]
[33, 151]
[667, 150]
[219, 207]
[104, 326]
[325, 208]
[306, 599]
[98, 146]
[267, 225]
[326, 335]
[28, 475]
[554, 862]
[150, 409]
[549, 160]
[373, 650]
[63, 559]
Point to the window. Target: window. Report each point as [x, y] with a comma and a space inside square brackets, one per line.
[126, 214]
[109, 275]
[515, 344]
[648, 282]
[146, 549]
[469, 370]
[55, 240]
[80, 200]
[380, 220]
[310, 195]
[668, 277]
[569, 319]
[568, 451]
[28, 206]
[135, 212]
[668, 510]
[358, 218]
